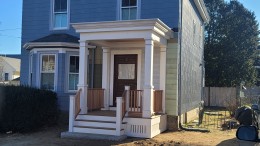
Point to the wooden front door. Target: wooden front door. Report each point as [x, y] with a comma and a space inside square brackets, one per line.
[125, 74]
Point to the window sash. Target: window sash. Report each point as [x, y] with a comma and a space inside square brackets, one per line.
[47, 71]
[73, 76]
[128, 11]
[60, 14]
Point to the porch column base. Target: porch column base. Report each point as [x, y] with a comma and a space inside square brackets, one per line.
[83, 99]
[148, 102]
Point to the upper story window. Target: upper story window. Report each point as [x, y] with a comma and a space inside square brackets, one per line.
[60, 14]
[129, 9]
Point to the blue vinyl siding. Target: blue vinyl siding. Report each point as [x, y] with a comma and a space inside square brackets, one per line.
[37, 14]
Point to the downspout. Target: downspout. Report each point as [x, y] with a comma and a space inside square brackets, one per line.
[180, 48]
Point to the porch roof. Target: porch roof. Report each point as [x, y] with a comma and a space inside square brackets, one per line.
[131, 30]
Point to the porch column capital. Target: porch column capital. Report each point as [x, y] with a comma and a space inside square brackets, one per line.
[106, 49]
[149, 42]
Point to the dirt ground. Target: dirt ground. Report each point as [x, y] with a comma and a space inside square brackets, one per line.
[51, 137]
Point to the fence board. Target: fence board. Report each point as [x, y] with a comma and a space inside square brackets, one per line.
[219, 96]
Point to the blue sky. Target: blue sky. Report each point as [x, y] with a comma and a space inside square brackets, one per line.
[11, 19]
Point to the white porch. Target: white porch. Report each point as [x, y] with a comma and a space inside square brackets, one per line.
[140, 110]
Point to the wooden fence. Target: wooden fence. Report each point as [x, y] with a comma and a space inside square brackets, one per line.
[220, 96]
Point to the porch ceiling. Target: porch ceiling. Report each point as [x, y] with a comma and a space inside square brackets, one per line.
[131, 33]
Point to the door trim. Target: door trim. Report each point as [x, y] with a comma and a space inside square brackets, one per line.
[122, 52]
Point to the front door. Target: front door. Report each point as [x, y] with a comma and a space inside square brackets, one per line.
[125, 74]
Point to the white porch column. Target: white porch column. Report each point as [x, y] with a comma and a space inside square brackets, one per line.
[148, 79]
[106, 75]
[83, 75]
[163, 74]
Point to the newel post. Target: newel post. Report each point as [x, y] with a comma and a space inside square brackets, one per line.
[71, 113]
[118, 115]
[127, 89]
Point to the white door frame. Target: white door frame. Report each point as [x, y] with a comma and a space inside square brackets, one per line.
[122, 52]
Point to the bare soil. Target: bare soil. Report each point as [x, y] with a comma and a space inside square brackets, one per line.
[51, 137]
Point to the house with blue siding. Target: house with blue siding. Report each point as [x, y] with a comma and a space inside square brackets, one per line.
[119, 67]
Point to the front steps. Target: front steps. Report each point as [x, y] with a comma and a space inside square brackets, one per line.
[93, 124]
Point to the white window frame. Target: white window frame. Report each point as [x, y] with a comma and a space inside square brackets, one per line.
[52, 27]
[70, 73]
[55, 70]
[138, 8]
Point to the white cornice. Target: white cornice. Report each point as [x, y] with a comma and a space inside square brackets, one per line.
[155, 25]
[31, 45]
[202, 10]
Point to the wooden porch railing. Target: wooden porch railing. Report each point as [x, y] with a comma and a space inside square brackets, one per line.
[77, 103]
[136, 101]
[157, 102]
[95, 99]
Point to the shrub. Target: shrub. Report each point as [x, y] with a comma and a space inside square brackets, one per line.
[26, 109]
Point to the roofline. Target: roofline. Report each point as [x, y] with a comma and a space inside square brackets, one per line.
[202, 10]
[31, 45]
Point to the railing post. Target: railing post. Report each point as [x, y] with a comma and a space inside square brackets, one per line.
[118, 115]
[127, 88]
[71, 113]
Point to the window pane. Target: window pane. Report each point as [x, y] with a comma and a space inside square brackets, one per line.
[47, 81]
[73, 81]
[133, 3]
[126, 3]
[60, 20]
[48, 63]
[126, 71]
[133, 13]
[125, 14]
[60, 6]
[44, 63]
[74, 64]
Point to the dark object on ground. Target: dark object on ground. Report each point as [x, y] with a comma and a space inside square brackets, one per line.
[26, 109]
[232, 124]
[244, 115]
[247, 133]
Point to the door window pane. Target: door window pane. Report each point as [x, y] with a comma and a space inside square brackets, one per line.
[126, 71]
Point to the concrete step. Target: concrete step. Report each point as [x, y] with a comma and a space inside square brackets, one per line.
[96, 130]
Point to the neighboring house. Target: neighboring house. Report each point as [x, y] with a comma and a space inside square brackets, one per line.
[9, 69]
[93, 49]
[257, 65]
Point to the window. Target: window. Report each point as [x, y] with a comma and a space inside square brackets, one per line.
[6, 76]
[60, 14]
[73, 72]
[47, 72]
[31, 68]
[129, 9]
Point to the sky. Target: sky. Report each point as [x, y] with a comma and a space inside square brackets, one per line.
[11, 23]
